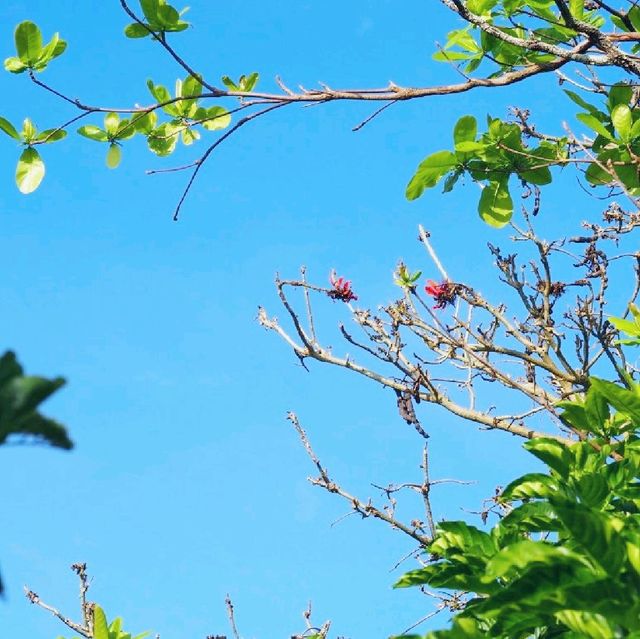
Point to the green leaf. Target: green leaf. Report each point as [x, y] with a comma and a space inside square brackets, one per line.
[114, 155]
[530, 486]
[93, 133]
[115, 627]
[623, 400]
[631, 328]
[522, 554]
[580, 102]
[496, 206]
[125, 131]
[28, 42]
[162, 141]
[551, 452]
[160, 93]
[192, 87]
[594, 533]
[29, 171]
[573, 413]
[215, 118]
[136, 30]
[51, 135]
[229, 83]
[465, 130]
[446, 575]
[9, 129]
[15, 65]
[594, 124]
[189, 136]
[452, 178]
[531, 516]
[248, 83]
[55, 47]
[20, 397]
[480, 7]
[539, 176]
[145, 123]
[622, 120]
[593, 489]
[150, 9]
[100, 627]
[167, 16]
[469, 147]
[29, 131]
[429, 172]
[111, 122]
[619, 94]
[458, 536]
[585, 624]
[596, 410]
[245, 84]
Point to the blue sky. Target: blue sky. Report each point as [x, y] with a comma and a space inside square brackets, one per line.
[187, 482]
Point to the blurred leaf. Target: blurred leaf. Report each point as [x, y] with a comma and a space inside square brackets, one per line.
[114, 155]
[20, 398]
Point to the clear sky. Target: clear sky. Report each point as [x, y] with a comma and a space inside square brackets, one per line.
[186, 482]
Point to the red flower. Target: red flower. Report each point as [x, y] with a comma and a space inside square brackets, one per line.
[341, 289]
[443, 293]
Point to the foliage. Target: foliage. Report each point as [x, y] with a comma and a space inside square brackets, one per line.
[20, 398]
[98, 627]
[565, 560]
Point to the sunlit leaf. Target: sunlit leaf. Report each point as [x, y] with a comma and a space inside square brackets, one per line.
[93, 133]
[429, 172]
[29, 171]
[28, 40]
[136, 30]
[100, 627]
[9, 129]
[496, 206]
[114, 155]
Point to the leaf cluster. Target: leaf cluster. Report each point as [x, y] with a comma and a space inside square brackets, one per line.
[104, 630]
[526, 21]
[565, 561]
[616, 144]
[161, 18]
[490, 159]
[32, 54]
